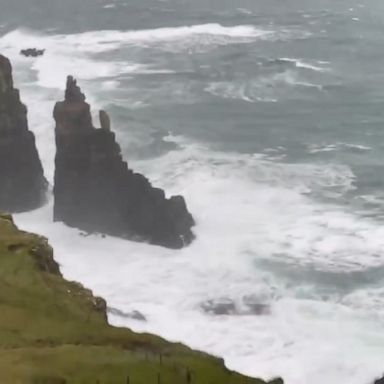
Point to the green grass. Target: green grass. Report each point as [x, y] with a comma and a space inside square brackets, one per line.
[53, 331]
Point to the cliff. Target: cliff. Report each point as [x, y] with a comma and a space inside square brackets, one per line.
[23, 185]
[53, 331]
[96, 191]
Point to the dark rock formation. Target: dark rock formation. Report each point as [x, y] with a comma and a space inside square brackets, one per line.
[97, 192]
[227, 306]
[219, 307]
[32, 52]
[22, 183]
[379, 381]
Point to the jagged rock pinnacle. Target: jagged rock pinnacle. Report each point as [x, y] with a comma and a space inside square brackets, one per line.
[96, 191]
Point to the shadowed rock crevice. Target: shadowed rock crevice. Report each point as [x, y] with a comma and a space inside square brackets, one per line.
[97, 192]
[22, 182]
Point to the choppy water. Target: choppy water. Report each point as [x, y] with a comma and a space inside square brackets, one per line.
[268, 116]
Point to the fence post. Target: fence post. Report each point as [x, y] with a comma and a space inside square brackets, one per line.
[189, 376]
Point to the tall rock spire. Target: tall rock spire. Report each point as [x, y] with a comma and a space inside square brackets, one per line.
[22, 183]
[96, 191]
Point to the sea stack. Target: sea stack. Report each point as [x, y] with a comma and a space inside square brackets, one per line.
[95, 190]
[22, 182]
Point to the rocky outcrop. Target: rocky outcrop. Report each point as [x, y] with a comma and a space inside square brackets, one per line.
[96, 191]
[22, 183]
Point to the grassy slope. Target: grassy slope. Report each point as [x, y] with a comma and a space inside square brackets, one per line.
[54, 331]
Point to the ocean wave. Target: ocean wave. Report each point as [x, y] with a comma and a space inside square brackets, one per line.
[319, 148]
[62, 57]
[267, 88]
[200, 36]
[299, 63]
[287, 78]
[300, 230]
[104, 40]
[247, 208]
[76, 53]
[246, 91]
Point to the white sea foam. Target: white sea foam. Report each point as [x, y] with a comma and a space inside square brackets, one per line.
[247, 212]
[317, 148]
[299, 63]
[260, 234]
[250, 91]
[67, 54]
[245, 11]
[64, 55]
[267, 89]
[101, 41]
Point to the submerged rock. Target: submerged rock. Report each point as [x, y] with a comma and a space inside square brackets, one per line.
[219, 307]
[32, 52]
[22, 181]
[255, 306]
[226, 306]
[96, 191]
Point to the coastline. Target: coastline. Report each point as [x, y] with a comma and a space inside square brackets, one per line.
[56, 331]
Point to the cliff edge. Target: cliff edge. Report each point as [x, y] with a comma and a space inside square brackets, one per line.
[53, 331]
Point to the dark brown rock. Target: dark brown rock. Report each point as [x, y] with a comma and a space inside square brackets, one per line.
[96, 191]
[22, 183]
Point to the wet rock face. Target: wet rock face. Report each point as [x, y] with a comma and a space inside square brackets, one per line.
[96, 191]
[22, 183]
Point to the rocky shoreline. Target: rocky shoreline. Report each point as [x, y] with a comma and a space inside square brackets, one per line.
[56, 332]
[53, 331]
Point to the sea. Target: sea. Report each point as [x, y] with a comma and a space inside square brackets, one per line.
[268, 116]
